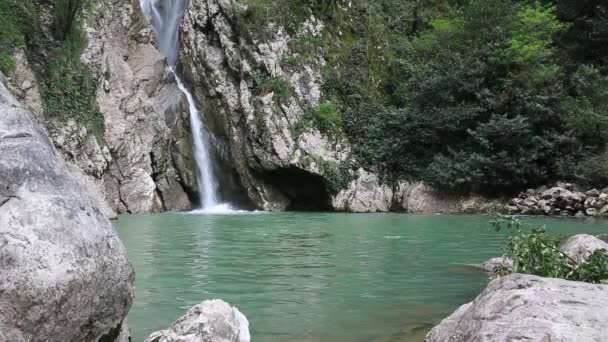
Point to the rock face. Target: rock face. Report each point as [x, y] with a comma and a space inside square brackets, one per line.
[564, 200]
[522, 307]
[264, 155]
[144, 162]
[213, 321]
[65, 275]
[366, 193]
[580, 247]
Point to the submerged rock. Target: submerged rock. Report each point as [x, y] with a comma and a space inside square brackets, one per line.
[580, 247]
[64, 272]
[523, 307]
[210, 321]
[495, 264]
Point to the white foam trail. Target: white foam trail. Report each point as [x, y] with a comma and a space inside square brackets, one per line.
[224, 209]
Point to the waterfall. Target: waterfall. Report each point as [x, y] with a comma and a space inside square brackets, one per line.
[200, 135]
[165, 17]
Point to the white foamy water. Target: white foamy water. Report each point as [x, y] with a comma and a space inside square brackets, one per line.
[224, 209]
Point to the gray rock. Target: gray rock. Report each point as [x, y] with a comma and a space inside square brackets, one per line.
[212, 321]
[529, 308]
[593, 193]
[552, 193]
[65, 274]
[580, 247]
[530, 201]
[591, 212]
[603, 237]
[517, 201]
[364, 194]
[142, 106]
[495, 264]
[22, 84]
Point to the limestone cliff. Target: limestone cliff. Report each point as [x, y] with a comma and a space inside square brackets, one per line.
[141, 162]
[147, 167]
[278, 167]
[256, 105]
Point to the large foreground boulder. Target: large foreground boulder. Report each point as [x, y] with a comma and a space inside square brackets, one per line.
[64, 274]
[529, 308]
[210, 321]
[580, 247]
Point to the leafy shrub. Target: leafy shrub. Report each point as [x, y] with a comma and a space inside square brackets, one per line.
[593, 170]
[277, 85]
[539, 254]
[327, 118]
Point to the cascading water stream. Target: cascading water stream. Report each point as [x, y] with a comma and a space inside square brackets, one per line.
[200, 136]
[165, 17]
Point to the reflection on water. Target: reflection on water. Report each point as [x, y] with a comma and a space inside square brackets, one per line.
[313, 277]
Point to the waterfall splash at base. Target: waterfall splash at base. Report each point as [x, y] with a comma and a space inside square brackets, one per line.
[165, 17]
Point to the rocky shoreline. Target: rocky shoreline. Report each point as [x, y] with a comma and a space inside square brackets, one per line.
[564, 199]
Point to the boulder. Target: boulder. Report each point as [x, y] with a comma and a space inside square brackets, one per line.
[552, 193]
[591, 212]
[212, 320]
[65, 274]
[495, 264]
[580, 247]
[603, 237]
[530, 201]
[529, 308]
[593, 193]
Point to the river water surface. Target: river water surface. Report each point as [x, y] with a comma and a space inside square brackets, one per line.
[314, 277]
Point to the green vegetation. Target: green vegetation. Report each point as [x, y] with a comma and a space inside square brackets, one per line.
[67, 87]
[11, 27]
[327, 118]
[539, 254]
[279, 87]
[474, 96]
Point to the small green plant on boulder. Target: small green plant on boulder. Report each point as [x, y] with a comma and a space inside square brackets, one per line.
[534, 252]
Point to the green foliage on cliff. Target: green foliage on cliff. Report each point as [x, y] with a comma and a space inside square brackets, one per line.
[484, 96]
[12, 23]
[67, 87]
[327, 118]
[535, 252]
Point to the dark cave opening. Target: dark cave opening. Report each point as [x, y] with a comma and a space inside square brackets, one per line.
[306, 191]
